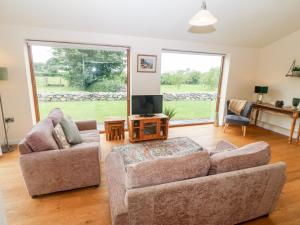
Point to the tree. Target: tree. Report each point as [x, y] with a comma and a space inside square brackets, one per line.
[211, 78]
[208, 79]
[83, 67]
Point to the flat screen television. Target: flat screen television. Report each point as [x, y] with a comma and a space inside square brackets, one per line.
[146, 105]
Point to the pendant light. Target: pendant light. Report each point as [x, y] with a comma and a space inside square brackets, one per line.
[203, 17]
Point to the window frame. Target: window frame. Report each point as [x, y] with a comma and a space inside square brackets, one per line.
[30, 43]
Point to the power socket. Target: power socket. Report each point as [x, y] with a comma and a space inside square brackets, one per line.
[9, 120]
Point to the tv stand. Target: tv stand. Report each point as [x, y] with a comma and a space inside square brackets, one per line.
[143, 128]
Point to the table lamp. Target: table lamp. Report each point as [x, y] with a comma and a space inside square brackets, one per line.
[260, 91]
[6, 147]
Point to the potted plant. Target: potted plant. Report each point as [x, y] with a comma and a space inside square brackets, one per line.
[296, 71]
[170, 112]
[296, 102]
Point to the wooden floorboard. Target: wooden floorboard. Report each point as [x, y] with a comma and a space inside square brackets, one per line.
[90, 205]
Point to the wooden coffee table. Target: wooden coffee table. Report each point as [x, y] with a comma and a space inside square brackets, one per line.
[114, 128]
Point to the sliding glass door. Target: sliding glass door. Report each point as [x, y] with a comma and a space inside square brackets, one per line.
[190, 85]
[85, 82]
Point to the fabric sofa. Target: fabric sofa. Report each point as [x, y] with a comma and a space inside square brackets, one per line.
[56, 169]
[230, 195]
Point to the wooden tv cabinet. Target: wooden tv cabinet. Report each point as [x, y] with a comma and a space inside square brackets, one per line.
[148, 128]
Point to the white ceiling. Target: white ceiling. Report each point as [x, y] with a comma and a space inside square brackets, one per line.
[252, 23]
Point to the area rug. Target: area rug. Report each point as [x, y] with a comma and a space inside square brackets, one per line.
[150, 150]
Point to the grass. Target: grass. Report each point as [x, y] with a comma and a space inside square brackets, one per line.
[185, 88]
[101, 109]
[86, 110]
[42, 88]
[192, 109]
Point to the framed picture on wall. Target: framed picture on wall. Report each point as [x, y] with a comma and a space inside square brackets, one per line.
[146, 63]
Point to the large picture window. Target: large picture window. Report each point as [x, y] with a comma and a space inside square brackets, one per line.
[85, 82]
[190, 85]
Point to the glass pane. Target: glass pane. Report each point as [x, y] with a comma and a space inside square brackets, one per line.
[189, 83]
[85, 83]
[150, 128]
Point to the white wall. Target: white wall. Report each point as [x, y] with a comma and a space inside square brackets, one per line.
[274, 63]
[241, 64]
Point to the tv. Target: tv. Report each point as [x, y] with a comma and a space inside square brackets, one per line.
[146, 105]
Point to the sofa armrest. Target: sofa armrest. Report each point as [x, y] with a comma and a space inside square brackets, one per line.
[115, 175]
[86, 125]
[222, 146]
[60, 170]
[228, 112]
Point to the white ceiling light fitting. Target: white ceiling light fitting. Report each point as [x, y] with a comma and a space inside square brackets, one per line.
[203, 17]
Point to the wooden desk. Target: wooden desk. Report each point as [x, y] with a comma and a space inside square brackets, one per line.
[294, 114]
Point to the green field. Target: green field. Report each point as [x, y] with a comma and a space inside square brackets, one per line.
[54, 85]
[100, 110]
[86, 110]
[184, 88]
[185, 110]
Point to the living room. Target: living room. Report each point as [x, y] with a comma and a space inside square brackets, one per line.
[257, 58]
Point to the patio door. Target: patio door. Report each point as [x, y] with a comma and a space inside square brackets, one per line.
[191, 85]
[85, 81]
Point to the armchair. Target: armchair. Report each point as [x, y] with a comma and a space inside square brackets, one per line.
[243, 119]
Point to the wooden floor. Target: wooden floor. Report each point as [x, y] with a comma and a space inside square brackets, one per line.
[90, 205]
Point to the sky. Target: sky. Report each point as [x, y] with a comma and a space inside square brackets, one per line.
[180, 61]
[41, 54]
[169, 61]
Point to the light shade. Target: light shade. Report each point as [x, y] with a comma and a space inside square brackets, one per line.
[3, 73]
[203, 18]
[261, 89]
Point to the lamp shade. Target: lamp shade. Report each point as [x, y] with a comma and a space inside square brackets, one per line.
[261, 89]
[3, 73]
[203, 18]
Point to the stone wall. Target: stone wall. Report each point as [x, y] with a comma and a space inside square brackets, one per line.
[115, 96]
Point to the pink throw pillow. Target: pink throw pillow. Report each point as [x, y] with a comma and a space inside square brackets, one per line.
[40, 138]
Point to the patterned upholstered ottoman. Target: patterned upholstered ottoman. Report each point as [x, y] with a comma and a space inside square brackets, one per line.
[134, 153]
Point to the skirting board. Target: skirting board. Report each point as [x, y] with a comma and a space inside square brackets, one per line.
[12, 142]
[277, 129]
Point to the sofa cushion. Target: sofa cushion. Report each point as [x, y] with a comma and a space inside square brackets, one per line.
[85, 145]
[167, 169]
[56, 115]
[252, 155]
[71, 131]
[40, 137]
[94, 131]
[60, 137]
[240, 120]
[91, 136]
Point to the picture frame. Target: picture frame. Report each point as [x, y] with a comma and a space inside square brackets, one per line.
[146, 63]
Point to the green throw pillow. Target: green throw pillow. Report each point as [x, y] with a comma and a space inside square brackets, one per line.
[71, 131]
